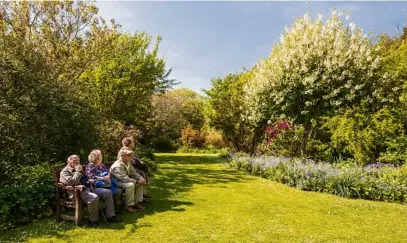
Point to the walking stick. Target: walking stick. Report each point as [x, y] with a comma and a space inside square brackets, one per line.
[100, 207]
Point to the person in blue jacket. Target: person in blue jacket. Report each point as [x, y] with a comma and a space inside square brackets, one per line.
[98, 175]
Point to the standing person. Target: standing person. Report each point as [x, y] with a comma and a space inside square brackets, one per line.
[131, 181]
[97, 172]
[142, 169]
[71, 175]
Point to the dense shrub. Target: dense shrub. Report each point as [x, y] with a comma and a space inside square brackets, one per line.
[344, 91]
[163, 143]
[67, 79]
[380, 183]
[215, 139]
[147, 156]
[370, 137]
[317, 69]
[285, 139]
[192, 138]
[111, 135]
[226, 153]
[172, 111]
[121, 84]
[40, 120]
[29, 195]
[226, 111]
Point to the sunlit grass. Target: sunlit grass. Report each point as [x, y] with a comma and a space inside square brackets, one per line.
[196, 198]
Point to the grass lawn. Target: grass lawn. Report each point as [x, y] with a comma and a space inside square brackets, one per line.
[196, 198]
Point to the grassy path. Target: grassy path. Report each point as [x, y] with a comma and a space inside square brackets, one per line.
[199, 199]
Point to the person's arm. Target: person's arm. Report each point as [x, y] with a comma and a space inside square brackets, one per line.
[105, 170]
[120, 175]
[91, 172]
[141, 165]
[134, 174]
[70, 180]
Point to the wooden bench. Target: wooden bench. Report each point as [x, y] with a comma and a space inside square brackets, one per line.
[63, 202]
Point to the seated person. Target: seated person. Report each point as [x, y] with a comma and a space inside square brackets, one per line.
[142, 169]
[131, 182]
[71, 175]
[97, 173]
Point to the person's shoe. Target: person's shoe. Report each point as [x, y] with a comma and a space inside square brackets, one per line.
[140, 207]
[114, 219]
[146, 196]
[93, 223]
[130, 210]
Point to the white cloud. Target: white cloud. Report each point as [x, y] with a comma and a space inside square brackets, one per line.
[114, 10]
[190, 80]
[171, 56]
[351, 7]
[186, 69]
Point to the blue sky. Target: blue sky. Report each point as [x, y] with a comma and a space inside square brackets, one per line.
[202, 40]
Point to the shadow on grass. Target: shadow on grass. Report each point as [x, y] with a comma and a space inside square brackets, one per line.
[177, 174]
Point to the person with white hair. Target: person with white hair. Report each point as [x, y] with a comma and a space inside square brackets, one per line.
[99, 176]
[131, 181]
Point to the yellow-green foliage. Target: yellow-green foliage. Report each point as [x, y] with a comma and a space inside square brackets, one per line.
[369, 137]
[214, 139]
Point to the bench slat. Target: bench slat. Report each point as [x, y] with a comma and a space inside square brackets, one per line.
[67, 217]
[68, 204]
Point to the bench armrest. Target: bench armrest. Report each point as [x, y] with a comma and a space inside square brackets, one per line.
[71, 188]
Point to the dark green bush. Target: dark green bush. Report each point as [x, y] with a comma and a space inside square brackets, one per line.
[293, 141]
[164, 144]
[111, 133]
[29, 195]
[147, 156]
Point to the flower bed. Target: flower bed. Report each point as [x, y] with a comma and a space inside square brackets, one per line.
[376, 182]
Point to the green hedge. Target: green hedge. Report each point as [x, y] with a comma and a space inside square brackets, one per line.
[30, 195]
[147, 156]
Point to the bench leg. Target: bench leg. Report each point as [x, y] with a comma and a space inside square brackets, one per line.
[58, 213]
[78, 208]
[58, 206]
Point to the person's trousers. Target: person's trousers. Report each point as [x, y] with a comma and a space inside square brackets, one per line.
[117, 196]
[133, 193]
[92, 200]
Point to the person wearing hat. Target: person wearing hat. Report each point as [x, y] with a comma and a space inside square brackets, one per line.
[131, 181]
[139, 166]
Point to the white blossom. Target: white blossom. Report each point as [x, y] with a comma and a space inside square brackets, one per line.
[317, 55]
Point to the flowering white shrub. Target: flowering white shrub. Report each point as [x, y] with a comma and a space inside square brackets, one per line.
[316, 69]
